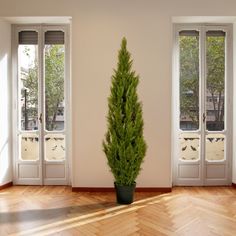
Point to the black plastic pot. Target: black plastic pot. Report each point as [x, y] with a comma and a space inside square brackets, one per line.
[125, 194]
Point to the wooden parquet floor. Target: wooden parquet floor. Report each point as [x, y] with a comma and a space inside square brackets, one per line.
[190, 211]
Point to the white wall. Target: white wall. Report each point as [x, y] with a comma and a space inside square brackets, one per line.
[98, 27]
[5, 68]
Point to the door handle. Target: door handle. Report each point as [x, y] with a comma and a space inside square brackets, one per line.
[40, 118]
[204, 117]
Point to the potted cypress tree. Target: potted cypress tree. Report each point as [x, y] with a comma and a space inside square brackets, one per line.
[124, 144]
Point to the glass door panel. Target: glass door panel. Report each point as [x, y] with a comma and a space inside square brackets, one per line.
[215, 147]
[54, 53]
[54, 56]
[189, 139]
[28, 92]
[28, 82]
[189, 80]
[55, 147]
[29, 147]
[215, 80]
[189, 146]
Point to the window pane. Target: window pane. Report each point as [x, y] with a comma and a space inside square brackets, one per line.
[189, 146]
[54, 86]
[29, 147]
[28, 85]
[55, 147]
[215, 146]
[215, 102]
[189, 80]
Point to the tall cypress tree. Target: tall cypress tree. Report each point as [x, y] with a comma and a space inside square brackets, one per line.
[124, 144]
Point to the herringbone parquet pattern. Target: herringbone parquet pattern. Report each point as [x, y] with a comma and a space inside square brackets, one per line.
[190, 211]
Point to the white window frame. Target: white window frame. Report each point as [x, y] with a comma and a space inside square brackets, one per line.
[175, 90]
[66, 28]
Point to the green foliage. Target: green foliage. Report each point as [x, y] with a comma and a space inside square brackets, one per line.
[216, 73]
[31, 83]
[54, 83]
[124, 144]
[189, 75]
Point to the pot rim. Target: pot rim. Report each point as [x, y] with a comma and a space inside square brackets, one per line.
[134, 184]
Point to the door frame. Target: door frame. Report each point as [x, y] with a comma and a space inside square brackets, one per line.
[202, 181]
[67, 112]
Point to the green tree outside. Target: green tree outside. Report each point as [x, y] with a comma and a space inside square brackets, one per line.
[189, 77]
[54, 84]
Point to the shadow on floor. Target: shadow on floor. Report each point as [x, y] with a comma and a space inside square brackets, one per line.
[53, 213]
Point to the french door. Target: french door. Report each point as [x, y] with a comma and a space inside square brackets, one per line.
[203, 108]
[41, 105]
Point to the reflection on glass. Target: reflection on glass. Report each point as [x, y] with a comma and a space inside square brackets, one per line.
[28, 85]
[29, 147]
[189, 80]
[189, 146]
[54, 86]
[55, 147]
[215, 146]
[215, 103]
